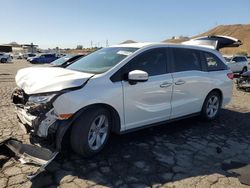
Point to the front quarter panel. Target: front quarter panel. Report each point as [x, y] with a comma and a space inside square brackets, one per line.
[98, 90]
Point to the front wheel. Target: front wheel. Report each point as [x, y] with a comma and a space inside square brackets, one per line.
[90, 132]
[3, 60]
[211, 106]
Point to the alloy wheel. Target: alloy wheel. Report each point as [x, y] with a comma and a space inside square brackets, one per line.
[98, 132]
[212, 106]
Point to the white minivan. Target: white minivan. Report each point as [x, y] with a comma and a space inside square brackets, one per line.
[119, 89]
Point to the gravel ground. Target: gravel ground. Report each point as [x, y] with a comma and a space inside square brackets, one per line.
[188, 153]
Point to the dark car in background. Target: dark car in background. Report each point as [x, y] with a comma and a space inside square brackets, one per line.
[43, 58]
[27, 56]
[66, 60]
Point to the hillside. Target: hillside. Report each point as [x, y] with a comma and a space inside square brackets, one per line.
[128, 41]
[239, 31]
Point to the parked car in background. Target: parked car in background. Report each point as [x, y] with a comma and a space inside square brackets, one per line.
[43, 58]
[237, 63]
[5, 57]
[66, 60]
[18, 56]
[28, 55]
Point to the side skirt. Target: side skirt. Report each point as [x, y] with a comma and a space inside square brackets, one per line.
[160, 123]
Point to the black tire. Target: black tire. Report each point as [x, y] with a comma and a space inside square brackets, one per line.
[3, 60]
[204, 112]
[81, 129]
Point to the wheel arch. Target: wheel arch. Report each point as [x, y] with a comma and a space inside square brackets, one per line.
[218, 91]
[116, 120]
[64, 130]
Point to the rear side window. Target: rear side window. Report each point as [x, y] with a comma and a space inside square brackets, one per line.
[186, 59]
[153, 62]
[213, 63]
[243, 59]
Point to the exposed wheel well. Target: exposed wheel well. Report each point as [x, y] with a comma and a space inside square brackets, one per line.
[218, 91]
[62, 140]
[116, 122]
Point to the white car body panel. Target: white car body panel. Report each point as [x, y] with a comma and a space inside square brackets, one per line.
[49, 79]
[147, 102]
[185, 99]
[98, 91]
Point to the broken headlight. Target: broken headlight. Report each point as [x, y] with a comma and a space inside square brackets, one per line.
[41, 99]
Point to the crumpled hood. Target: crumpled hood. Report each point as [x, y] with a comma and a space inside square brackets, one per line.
[35, 80]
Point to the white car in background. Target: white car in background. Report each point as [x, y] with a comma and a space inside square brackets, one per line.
[118, 89]
[5, 57]
[237, 63]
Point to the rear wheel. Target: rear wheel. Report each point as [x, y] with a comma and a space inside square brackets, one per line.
[90, 132]
[211, 106]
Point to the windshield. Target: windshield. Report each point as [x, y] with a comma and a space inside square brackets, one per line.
[101, 60]
[61, 60]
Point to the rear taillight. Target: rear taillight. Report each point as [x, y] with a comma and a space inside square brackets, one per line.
[230, 75]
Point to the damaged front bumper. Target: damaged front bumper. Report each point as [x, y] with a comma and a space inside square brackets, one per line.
[46, 133]
[39, 126]
[30, 154]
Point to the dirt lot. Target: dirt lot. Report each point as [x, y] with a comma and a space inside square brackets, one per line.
[187, 153]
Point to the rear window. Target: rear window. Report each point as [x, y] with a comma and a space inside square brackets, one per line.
[213, 63]
[186, 59]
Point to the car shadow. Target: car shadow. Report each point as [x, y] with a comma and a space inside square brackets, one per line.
[158, 155]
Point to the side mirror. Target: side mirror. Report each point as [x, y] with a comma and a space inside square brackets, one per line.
[137, 76]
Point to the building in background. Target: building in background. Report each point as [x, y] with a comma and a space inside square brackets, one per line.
[5, 48]
[30, 48]
[16, 48]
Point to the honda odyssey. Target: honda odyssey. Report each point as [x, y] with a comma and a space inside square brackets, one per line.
[117, 90]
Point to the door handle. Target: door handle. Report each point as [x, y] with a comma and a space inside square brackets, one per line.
[180, 82]
[165, 84]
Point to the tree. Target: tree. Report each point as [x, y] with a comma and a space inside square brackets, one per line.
[79, 47]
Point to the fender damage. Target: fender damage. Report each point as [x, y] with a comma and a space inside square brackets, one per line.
[38, 118]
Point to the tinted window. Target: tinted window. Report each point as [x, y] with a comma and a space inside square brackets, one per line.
[152, 61]
[213, 63]
[243, 59]
[186, 59]
[50, 55]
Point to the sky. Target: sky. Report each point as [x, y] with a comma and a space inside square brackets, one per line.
[68, 23]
